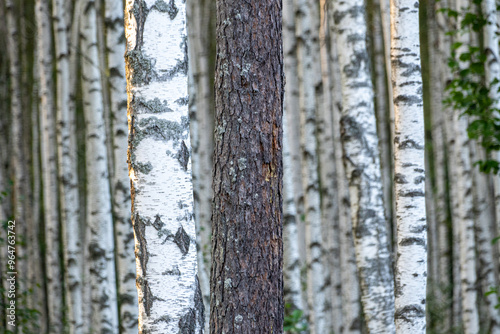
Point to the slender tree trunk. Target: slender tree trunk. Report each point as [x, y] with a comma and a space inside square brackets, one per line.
[124, 233]
[160, 169]
[200, 39]
[308, 74]
[492, 72]
[409, 169]
[100, 240]
[247, 263]
[291, 272]
[361, 159]
[68, 178]
[49, 168]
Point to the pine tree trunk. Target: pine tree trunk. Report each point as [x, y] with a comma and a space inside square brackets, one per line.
[160, 169]
[247, 252]
[100, 239]
[49, 168]
[409, 169]
[68, 178]
[124, 240]
[361, 158]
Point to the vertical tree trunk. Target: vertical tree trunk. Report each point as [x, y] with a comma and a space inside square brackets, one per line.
[308, 75]
[49, 168]
[68, 178]
[246, 276]
[409, 169]
[124, 240]
[160, 169]
[100, 240]
[361, 158]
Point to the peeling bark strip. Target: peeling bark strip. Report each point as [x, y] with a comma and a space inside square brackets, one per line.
[247, 253]
[160, 167]
[361, 158]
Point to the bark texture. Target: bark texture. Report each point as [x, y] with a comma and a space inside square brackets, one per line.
[170, 299]
[361, 158]
[409, 169]
[247, 250]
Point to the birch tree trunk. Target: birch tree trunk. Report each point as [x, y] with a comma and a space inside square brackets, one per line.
[492, 72]
[68, 177]
[361, 159]
[247, 252]
[160, 169]
[126, 270]
[351, 307]
[99, 217]
[409, 169]
[308, 74]
[49, 169]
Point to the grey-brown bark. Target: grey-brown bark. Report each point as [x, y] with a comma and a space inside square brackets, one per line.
[246, 275]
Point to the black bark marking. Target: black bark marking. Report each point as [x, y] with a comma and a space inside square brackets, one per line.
[158, 129]
[400, 178]
[182, 240]
[409, 312]
[412, 241]
[409, 143]
[353, 12]
[412, 193]
[155, 106]
[355, 66]
[174, 271]
[143, 255]
[408, 99]
[183, 156]
[95, 251]
[410, 68]
[169, 8]
[187, 323]
[419, 179]
[158, 224]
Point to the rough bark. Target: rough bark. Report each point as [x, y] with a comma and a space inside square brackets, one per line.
[246, 274]
[361, 158]
[120, 184]
[68, 177]
[160, 169]
[100, 241]
[409, 169]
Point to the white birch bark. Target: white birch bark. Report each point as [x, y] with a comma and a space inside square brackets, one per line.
[124, 233]
[292, 101]
[68, 177]
[159, 162]
[49, 168]
[291, 265]
[329, 200]
[361, 158]
[492, 71]
[308, 74]
[409, 169]
[484, 222]
[351, 307]
[100, 239]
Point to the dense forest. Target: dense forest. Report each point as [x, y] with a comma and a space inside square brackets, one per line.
[297, 166]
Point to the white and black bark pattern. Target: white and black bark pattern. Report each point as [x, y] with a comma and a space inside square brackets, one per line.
[68, 176]
[291, 256]
[409, 169]
[160, 169]
[49, 168]
[350, 291]
[308, 75]
[361, 158]
[124, 233]
[484, 222]
[492, 72]
[100, 240]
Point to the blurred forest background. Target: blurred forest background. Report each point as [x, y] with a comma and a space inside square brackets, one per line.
[62, 74]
